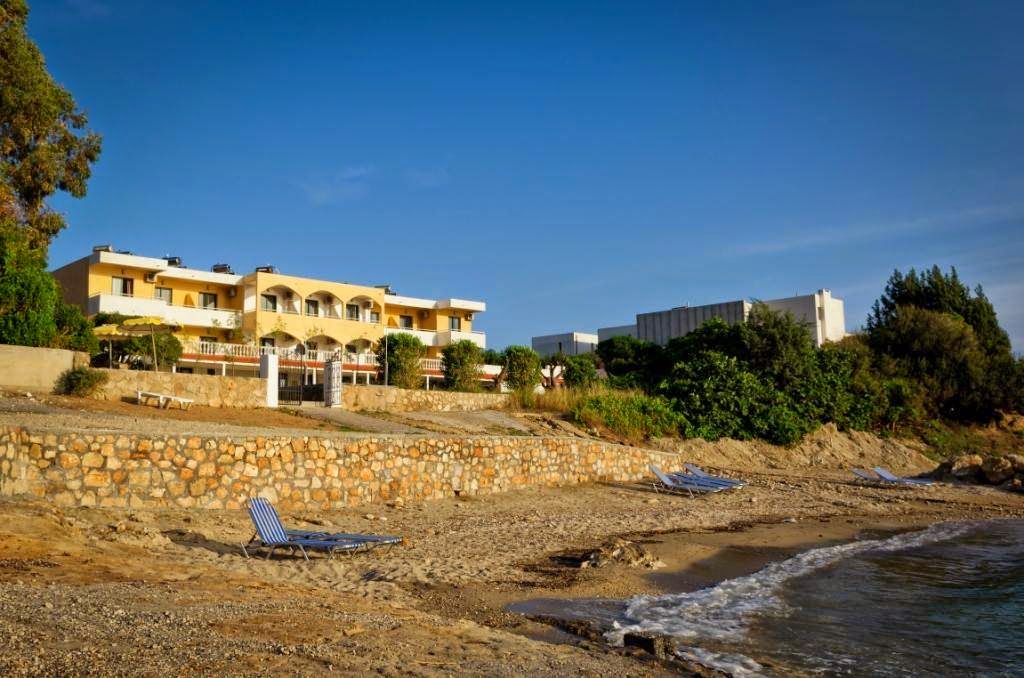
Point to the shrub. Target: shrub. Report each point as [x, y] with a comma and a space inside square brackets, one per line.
[631, 360]
[401, 353]
[580, 370]
[522, 367]
[721, 399]
[461, 363]
[74, 331]
[942, 353]
[80, 381]
[633, 416]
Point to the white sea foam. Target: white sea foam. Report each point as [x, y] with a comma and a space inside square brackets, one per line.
[722, 612]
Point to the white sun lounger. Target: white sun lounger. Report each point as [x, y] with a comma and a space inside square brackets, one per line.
[892, 478]
[683, 484]
[163, 399]
[700, 473]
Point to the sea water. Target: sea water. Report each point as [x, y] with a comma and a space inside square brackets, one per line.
[948, 600]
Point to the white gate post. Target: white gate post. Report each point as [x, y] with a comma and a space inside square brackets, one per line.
[332, 383]
[269, 372]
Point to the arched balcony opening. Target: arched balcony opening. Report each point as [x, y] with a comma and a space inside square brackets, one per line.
[280, 299]
[359, 347]
[363, 309]
[322, 304]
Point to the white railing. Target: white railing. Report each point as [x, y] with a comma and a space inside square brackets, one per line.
[196, 316]
[212, 348]
[252, 351]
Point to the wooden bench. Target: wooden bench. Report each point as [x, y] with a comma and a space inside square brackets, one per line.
[163, 399]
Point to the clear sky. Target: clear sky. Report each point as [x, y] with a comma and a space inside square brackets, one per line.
[570, 164]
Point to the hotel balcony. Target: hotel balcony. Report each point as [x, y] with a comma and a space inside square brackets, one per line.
[185, 315]
[442, 338]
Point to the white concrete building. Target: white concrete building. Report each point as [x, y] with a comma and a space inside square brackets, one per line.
[822, 313]
[615, 331]
[567, 343]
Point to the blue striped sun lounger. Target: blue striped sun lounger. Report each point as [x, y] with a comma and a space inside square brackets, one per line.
[726, 482]
[270, 534]
[864, 475]
[680, 483]
[889, 477]
[369, 541]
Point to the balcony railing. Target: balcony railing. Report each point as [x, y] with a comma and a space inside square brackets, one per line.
[253, 352]
[143, 306]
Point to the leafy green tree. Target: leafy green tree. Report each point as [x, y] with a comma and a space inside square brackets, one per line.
[43, 148]
[74, 331]
[401, 353]
[580, 370]
[942, 353]
[631, 362]
[714, 335]
[778, 347]
[491, 357]
[28, 293]
[522, 367]
[934, 290]
[721, 399]
[553, 364]
[461, 363]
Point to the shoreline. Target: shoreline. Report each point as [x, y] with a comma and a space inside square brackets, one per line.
[167, 589]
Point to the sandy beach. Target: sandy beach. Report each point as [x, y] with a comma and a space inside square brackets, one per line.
[141, 592]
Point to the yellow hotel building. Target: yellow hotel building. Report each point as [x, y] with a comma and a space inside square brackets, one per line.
[228, 320]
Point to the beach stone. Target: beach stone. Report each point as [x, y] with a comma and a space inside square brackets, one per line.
[997, 470]
[661, 647]
[1017, 460]
[966, 466]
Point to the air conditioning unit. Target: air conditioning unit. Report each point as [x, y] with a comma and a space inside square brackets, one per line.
[424, 314]
[367, 304]
[232, 292]
[149, 277]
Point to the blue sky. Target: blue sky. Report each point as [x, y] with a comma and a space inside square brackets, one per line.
[569, 163]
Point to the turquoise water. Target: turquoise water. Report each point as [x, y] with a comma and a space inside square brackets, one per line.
[946, 601]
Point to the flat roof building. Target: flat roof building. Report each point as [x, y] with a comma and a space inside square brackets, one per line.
[823, 314]
[567, 343]
[604, 333]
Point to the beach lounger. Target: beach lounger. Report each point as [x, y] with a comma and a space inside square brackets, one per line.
[682, 483]
[163, 400]
[892, 478]
[270, 533]
[864, 475]
[369, 540]
[699, 472]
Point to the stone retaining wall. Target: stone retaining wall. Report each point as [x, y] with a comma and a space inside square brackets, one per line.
[211, 390]
[361, 398]
[310, 472]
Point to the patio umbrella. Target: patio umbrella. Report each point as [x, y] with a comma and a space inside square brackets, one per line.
[110, 332]
[151, 325]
